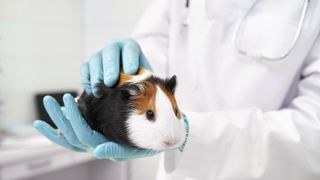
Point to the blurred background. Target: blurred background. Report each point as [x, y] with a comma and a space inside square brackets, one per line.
[42, 44]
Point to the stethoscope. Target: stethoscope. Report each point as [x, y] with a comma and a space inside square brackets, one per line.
[260, 56]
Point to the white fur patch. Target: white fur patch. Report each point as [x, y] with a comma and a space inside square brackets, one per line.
[154, 134]
[140, 77]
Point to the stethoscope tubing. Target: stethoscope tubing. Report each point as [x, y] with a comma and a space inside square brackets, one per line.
[262, 57]
[235, 38]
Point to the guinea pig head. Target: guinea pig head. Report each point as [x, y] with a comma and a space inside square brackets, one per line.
[155, 121]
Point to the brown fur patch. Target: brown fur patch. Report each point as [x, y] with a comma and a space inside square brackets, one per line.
[124, 78]
[146, 100]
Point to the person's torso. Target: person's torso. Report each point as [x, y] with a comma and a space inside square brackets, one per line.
[213, 75]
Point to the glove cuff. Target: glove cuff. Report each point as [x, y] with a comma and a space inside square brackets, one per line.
[181, 148]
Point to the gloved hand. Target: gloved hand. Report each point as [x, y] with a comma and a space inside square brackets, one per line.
[104, 66]
[74, 133]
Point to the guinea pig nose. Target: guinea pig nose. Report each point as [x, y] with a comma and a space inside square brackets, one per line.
[169, 141]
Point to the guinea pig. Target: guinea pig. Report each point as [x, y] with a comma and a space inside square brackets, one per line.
[140, 112]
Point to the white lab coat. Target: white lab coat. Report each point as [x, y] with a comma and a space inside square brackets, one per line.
[249, 119]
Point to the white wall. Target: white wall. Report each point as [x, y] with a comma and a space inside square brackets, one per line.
[41, 47]
[105, 21]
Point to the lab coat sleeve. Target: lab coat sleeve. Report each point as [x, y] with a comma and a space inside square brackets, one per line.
[152, 33]
[253, 144]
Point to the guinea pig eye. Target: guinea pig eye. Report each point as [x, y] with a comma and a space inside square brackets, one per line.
[150, 115]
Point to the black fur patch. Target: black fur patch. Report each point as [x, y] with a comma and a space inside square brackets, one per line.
[109, 113]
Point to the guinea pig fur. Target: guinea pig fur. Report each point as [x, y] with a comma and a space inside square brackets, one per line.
[140, 112]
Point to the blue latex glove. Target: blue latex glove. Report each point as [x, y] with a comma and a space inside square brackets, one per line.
[104, 66]
[74, 133]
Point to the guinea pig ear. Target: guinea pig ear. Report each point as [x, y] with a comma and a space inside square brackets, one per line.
[132, 90]
[170, 84]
